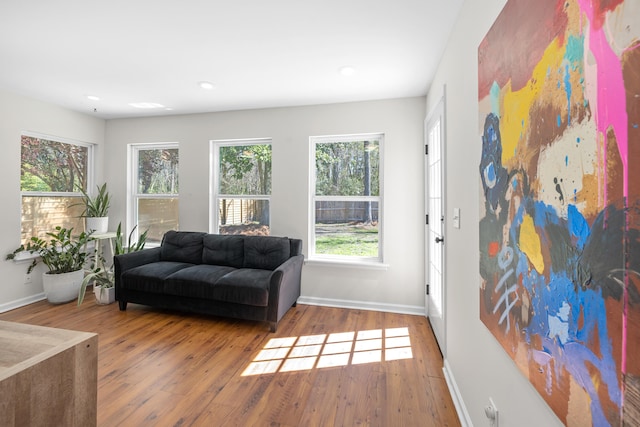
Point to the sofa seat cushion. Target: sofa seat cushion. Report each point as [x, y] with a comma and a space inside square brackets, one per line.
[244, 286]
[197, 281]
[150, 277]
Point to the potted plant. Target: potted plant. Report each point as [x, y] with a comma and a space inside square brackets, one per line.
[64, 256]
[96, 209]
[104, 277]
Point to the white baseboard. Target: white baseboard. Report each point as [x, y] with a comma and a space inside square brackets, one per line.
[461, 409]
[12, 305]
[363, 305]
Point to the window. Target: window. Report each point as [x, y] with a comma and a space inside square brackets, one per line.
[346, 201]
[52, 172]
[154, 189]
[241, 186]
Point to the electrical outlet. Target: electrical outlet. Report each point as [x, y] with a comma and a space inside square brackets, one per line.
[491, 411]
[28, 278]
[456, 217]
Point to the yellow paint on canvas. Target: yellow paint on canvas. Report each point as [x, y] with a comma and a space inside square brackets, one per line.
[516, 105]
[578, 400]
[530, 243]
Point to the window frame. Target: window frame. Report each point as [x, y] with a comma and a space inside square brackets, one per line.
[90, 174]
[132, 184]
[214, 171]
[346, 260]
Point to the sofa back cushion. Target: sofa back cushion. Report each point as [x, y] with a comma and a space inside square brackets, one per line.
[223, 250]
[182, 246]
[265, 252]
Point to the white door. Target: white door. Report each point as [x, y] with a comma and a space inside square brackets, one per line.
[434, 222]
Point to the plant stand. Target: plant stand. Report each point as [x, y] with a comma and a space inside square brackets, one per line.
[109, 236]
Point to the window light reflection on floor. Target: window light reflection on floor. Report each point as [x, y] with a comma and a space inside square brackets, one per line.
[293, 354]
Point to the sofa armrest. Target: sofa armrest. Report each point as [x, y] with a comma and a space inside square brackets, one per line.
[284, 288]
[128, 261]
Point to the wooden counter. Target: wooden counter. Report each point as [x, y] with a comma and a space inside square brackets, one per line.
[48, 376]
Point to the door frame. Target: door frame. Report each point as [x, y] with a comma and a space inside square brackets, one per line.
[439, 110]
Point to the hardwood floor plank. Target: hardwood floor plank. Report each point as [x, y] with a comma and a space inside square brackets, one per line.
[324, 400]
[443, 404]
[324, 366]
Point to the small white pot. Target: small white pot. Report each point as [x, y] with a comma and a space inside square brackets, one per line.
[104, 295]
[61, 288]
[99, 225]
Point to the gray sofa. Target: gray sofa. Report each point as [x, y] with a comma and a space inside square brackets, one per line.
[245, 277]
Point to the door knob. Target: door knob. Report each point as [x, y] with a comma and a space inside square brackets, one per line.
[439, 239]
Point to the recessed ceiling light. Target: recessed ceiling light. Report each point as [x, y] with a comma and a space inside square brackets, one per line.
[347, 71]
[93, 97]
[206, 85]
[146, 105]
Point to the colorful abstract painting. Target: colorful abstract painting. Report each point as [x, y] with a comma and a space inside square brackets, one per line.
[559, 101]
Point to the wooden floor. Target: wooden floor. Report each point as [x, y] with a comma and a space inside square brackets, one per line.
[324, 367]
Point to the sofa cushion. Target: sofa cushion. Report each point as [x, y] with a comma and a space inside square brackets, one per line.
[197, 281]
[244, 286]
[223, 250]
[182, 246]
[150, 277]
[266, 253]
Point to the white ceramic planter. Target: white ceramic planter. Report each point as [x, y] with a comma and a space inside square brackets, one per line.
[61, 288]
[104, 295]
[99, 225]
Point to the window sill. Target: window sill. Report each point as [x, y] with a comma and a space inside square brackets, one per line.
[24, 256]
[324, 262]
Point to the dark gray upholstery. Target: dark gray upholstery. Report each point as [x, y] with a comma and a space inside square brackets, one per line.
[196, 281]
[223, 250]
[150, 277]
[247, 277]
[182, 246]
[244, 286]
[265, 252]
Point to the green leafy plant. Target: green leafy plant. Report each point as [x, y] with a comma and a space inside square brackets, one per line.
[98, 206]
[131, 246]
[61, 253]
[104, 277]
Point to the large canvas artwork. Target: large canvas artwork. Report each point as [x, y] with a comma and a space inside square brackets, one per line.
[559, 101]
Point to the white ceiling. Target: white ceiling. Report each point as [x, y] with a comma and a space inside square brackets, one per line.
[258, 53]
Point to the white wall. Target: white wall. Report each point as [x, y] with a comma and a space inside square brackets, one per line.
[20, 114]
[480, 367]
[399, 288]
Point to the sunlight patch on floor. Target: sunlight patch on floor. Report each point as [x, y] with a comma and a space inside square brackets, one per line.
[307, 352]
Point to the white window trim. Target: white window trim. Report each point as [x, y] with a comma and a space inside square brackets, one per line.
[214, 171]
[346, 263]
[132, 184]
[90, 165]
[25, 255]
[344, 260]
